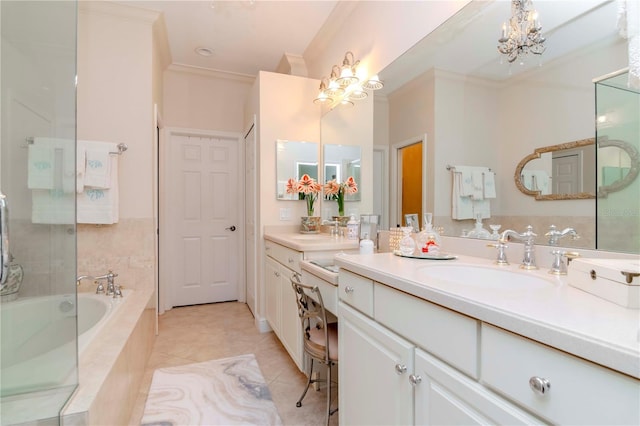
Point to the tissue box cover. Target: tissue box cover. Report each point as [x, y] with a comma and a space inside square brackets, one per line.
[604, 278]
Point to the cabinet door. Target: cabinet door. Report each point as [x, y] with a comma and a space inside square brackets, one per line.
[444, 396]
[372, 391]
[290, 327]
[272, 293]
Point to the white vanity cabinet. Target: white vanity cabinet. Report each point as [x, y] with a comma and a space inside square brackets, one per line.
[407, 360]
[385, 379]
[388, 373]
[281, 308]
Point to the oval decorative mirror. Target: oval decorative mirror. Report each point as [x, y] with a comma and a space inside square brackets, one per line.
[556, 172]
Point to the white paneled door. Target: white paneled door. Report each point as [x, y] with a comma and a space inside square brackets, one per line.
[203, 219]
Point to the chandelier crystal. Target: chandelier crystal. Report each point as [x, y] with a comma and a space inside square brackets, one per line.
[522, 34]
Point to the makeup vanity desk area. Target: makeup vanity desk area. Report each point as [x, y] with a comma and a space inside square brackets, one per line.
[287, 253]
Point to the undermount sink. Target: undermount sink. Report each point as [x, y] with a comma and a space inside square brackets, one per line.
[485, 277]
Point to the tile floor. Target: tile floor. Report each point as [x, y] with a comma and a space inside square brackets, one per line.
[204, 332]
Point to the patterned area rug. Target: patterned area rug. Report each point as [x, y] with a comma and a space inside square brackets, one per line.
[227, 391]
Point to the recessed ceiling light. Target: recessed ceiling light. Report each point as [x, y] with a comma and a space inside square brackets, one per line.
[204, 51]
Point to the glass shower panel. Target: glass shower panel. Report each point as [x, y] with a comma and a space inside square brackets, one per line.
[617, 121]
[38, 314]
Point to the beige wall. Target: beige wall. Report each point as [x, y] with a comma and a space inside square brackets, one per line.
[117, 86]
[196, 99]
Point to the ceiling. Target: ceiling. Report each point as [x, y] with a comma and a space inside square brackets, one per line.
[244, 36]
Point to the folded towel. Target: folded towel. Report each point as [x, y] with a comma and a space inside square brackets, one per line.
[477, 181]
[483, 207]
[465, 182]
[461, 205]
[489, 184]
[41, 165]
[99, 205]
[98, 164]
[52, 164]
[52, 206]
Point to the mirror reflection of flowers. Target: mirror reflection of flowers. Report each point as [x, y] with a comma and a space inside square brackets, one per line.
[307, 189]
[336, 191]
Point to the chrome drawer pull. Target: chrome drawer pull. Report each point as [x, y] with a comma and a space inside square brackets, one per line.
[539, 385]
[401, 369]
[290, 260]
[348, 289]
[415, 380]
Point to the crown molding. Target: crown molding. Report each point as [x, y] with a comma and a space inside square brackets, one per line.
[207, 72]
[118, 10]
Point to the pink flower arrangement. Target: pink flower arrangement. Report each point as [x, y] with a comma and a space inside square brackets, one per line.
[336, 191]
[307, 189]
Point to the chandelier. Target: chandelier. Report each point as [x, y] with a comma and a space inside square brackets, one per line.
[523, 34]
[344, 86]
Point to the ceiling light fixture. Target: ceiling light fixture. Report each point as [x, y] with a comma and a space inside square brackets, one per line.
[323, 98]
[523, 34]
[343, 86]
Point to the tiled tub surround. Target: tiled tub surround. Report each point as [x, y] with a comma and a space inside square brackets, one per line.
[126, 248]
[112, 365]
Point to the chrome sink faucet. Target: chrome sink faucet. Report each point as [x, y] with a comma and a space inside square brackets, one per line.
[528, 238]
[554, 235]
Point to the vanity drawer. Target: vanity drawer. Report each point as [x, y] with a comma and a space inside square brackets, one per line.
[356, 291]
[284, 255]
[328, 291]
[444, 333]
[580, 391]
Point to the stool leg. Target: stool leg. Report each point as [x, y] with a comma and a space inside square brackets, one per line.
[328, 392]
[299, 403]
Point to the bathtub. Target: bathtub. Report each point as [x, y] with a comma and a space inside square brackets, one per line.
[39, 341]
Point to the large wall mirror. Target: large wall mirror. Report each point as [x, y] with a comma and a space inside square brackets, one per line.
[477, 109]
[294, 159]
[341, 162]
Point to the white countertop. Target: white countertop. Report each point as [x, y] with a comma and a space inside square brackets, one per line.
[558, 315]
[311, 242]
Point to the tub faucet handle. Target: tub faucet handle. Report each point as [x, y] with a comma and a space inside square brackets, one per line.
[117, 292]
[99, 287]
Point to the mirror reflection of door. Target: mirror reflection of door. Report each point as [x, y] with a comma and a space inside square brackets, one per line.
[566, 174]
[410, 178]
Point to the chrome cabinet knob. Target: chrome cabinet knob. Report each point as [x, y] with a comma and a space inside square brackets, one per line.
[290, 260]
[414, 379]
[539, 385]
[348, 289]
[277, 274]
[401, 369]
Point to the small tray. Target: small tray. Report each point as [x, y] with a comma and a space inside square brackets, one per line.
[427, 256]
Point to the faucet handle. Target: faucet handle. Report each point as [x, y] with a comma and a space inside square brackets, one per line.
[501, 245]
[99, 287]
[570, 255]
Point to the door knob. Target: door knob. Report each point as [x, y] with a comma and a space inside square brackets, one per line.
[231, 228]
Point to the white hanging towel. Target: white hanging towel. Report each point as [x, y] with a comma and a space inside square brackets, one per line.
[98, 165]
[52, 206]
[483, 207]
[489, 184]
[99, 205]
[41, 165]
[461, 205]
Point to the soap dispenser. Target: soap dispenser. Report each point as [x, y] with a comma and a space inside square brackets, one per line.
[366, 245]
